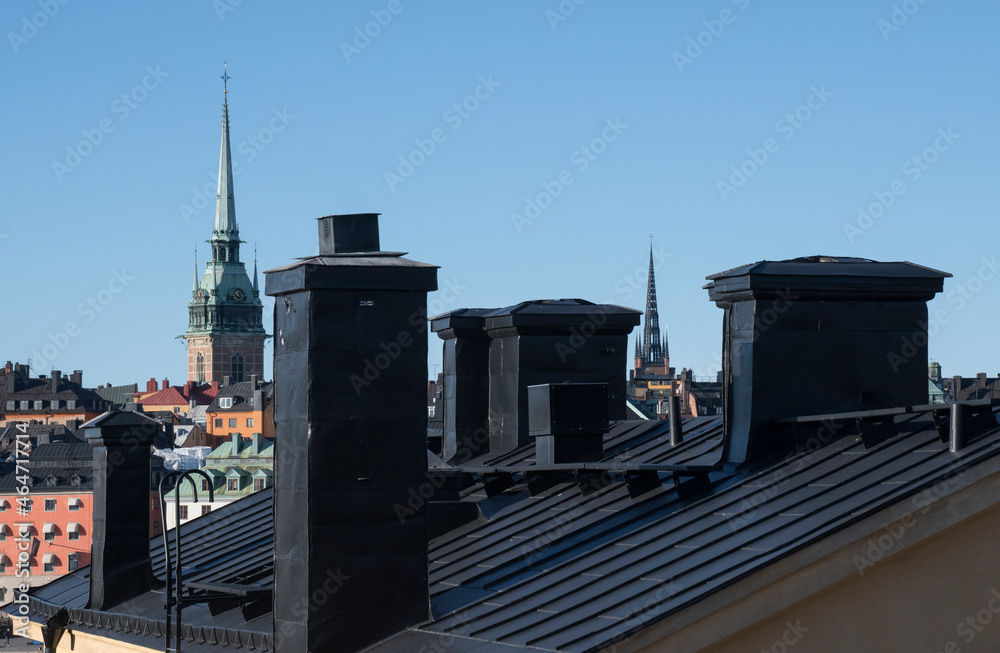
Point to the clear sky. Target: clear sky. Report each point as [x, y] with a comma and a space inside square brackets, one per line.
[528, 148]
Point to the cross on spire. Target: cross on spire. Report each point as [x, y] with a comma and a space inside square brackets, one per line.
[225, 78]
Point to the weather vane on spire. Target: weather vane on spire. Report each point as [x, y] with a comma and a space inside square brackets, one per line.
[225, 78]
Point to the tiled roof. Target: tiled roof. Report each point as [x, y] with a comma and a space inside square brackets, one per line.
[176, 395]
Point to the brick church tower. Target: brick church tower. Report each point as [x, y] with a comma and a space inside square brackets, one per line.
[225, 335]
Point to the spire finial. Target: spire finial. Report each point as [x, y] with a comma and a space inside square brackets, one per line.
[225, 78]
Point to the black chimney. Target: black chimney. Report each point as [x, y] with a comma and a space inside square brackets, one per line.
[56, 374]
[553, 341]
[120, 568]
[818, 335]
[466, 362]
[350, 366]
[568, 421]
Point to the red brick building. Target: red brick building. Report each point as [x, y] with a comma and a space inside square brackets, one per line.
[225, 336]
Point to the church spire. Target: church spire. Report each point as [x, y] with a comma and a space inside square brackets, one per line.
[652, 352]
[225, 205]
[195, 287]
[256, 288]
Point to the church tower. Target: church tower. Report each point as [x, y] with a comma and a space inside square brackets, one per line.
[225, 335]
[655, 357]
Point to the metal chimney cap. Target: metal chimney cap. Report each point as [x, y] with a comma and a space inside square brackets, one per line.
[827, 278]
[559, 313]
[350, 233]
[471, 320]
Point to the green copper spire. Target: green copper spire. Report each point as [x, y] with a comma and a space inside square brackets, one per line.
[256, 288]
[225, 205]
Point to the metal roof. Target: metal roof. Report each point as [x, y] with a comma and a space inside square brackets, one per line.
[591, 559]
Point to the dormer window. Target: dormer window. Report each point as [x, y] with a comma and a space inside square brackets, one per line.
[10, 405]
[24, 405]
[225, 402]
[54, 404]
[38, 404]
[71, 404]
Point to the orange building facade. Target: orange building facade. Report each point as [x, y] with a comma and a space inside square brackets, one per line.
[61, 525]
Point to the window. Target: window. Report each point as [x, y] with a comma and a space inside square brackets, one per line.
[218, 422]
[232, 422]
[250, 422]
[206, 509]
[24, 405]
[54, 404]
[50, 505]
[10, 405]
[74, 503]
[204, 485]
[177, 409]
[74, 535]
[73, 562]
[50, 532]
[3, 532]
[3, 505]
[25, 504]
[3, 570]
[237, 368]
[225, 402]
[259, 484]
[233, 484]
[199, 368]
[156, 528]
[49, 563]
[184, 512]
[38, 404]
[71, 404]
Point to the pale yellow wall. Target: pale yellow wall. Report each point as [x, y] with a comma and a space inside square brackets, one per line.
[917, 601]
[937, 566]
[79, 642]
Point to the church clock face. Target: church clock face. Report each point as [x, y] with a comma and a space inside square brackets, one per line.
[239, 295]
[201, 294]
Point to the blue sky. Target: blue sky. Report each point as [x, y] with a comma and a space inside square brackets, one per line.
[731, 131]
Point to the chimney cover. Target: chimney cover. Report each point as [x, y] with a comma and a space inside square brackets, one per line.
[348, 234]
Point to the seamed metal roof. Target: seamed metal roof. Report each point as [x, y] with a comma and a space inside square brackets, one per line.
[561, 571]
[583, 563]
